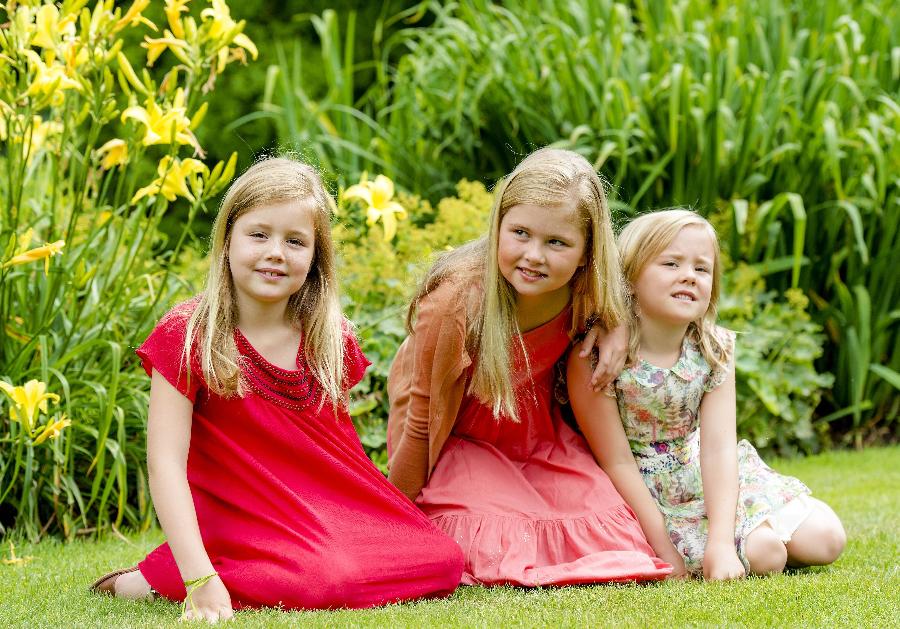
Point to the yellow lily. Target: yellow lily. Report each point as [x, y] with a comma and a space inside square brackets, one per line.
[133, 16]
[27, 400]
[40, 132]
[175, 179]
[114, 153]
[160, 126]
[13, 560]
[221, 25]
[173, 10]
[39, 253]
[49, 28]
[377, 196]
[52, 430]
[49, 80]
[156, 47]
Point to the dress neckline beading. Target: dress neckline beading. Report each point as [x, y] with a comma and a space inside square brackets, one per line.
[293, 389]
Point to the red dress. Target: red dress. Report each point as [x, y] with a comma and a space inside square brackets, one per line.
[526, 501]
[292, 512]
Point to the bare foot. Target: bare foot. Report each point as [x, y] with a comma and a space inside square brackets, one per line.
[132, 585]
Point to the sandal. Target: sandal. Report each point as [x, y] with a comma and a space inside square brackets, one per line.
[106, 584]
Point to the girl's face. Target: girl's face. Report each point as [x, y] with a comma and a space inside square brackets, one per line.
[675, 287]
[539, 249]
[271, 252]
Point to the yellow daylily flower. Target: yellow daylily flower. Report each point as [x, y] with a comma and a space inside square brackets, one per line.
[49, 79]
[173, 10]
[12, 560]
[39, 253]
[221, 18]
[176, 179]
[49, 28]
[27, 400]
[52, 430]
[221, 25]
[160, 126]
[114, 153]
[156, 47]
[40, 132]
[377, 196]
[133, 16]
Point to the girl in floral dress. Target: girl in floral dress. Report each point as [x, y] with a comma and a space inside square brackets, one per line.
[258, 478]
[665, 431]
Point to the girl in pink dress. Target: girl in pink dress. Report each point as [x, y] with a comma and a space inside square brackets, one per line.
[257, 475]
[476, 437]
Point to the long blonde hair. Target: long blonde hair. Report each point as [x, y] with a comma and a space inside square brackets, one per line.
[547, 178]
[642, 240]
[314, 309]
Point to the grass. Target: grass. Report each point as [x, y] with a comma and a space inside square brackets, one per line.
[860, 589]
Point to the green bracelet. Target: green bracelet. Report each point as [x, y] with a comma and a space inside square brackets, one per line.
[192, 584]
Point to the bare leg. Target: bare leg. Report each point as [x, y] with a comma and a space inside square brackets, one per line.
[132, 585]
[765, 552]
[819, 540]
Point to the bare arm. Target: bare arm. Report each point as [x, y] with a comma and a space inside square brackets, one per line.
[168, 440]
[718, 467]
[612, 349]
[598, 417]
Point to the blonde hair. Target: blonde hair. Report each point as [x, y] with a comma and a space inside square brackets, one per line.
[642, 240]
[549, 178]
[314, 309]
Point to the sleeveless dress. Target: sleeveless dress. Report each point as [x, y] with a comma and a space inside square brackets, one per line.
[526, 501]
[292, 512]
[660, 412]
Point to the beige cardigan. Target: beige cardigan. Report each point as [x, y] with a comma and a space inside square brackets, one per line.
[426, 385]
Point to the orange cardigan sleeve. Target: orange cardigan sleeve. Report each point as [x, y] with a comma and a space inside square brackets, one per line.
[425, 387]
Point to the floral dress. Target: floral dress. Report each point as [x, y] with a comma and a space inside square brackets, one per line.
[660, 412]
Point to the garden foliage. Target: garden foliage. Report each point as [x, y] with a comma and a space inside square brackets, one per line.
[778, 387]
[779, 120]
[96, 147]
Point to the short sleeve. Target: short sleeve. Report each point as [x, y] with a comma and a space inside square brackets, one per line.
[355, 362]
[717, 376]
[164, 348]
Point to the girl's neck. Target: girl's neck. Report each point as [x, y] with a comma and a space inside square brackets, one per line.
[534, 311]
[661, 342]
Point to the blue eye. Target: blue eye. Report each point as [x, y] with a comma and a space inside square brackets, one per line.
[556, 242]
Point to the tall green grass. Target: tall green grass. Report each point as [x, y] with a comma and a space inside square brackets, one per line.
[780, 120]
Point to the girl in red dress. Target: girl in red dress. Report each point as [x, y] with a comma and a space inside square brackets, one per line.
[475, 435]
[257, 475]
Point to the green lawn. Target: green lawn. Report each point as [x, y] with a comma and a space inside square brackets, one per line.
[861, 589]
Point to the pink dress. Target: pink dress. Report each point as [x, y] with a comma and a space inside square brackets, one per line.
[526, 501]
[292, 512]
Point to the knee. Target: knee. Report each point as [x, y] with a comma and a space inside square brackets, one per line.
[833, 539]
[766, 553]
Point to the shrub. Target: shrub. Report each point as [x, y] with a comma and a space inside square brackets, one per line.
[781, 118]
[778, 387]
[94, 154]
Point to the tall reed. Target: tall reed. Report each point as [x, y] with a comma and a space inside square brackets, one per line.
[780, 120]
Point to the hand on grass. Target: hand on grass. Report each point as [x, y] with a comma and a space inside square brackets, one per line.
[612, 349]
[720, 562]
[672, 556]
[210, 602]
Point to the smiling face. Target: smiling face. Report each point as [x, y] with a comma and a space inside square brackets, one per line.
[539, 249]
[270, 253]
[675, 287]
